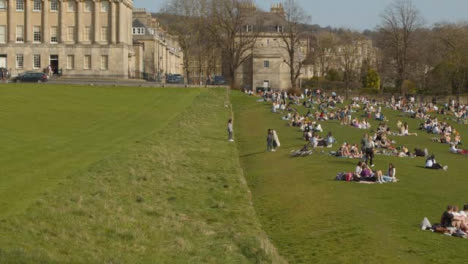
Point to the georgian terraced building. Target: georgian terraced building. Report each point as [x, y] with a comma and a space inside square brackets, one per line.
[77, 37]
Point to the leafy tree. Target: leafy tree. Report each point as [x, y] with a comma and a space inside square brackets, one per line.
[371, 80]
[333, 75]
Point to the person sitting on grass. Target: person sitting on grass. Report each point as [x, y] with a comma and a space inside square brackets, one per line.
[358, 171]
[458, 220]
[367, 174]
[330, 140]
[420, 152]
[314, 140]
[379, 116]
[304, 151]
[354, 152]
[453, 149]
[447, 218]
[318, 128]
[431, 163]
[344, 151]
[404, 152]
[389, 177]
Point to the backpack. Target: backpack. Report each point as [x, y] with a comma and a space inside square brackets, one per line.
[340, 177]
[349, 177]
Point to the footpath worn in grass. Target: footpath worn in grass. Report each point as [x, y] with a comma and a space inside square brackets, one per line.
[175, 196]
[313, 219]
[51, 131]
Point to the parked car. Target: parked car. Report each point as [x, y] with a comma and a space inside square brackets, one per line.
[175, 79]
[219, 80]
[37, 77]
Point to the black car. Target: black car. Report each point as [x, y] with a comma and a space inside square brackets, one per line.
[37, 77]
[219, 80]
[175, 79]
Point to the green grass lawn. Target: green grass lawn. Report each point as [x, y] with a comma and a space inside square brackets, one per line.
[48, 132]
[122, 175]
[313, 219]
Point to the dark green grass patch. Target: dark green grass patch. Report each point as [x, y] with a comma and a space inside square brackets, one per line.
[313, 219]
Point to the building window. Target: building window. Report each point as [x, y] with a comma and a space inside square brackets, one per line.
[279, 29]
[87, 62]
[37, 5]
[88, 6]
[70, 62]
[104, 6]
[37, 61]
[87, 34]
[266, 64]
[3, 4]
[19, 5]
[248, 28]
[104, 62]
[104, 34]
[2, 34]
[54, 35]
[71, 34]
[19, 34]
[37, 34]
[54, 5]
[19, 61]
[139, 31]
[71, 6]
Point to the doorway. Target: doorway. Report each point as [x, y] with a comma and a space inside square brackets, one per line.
[266, 84]
[3, 61]
[54, 63]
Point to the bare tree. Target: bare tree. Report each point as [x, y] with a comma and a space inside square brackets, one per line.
[186, 22]
[230, 31]
[293, 38]
[323, 45]
[348, 56]
[399, 22]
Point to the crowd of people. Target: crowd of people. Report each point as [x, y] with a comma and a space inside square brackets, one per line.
[322, 108]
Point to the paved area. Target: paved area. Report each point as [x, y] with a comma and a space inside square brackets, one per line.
[115, 82]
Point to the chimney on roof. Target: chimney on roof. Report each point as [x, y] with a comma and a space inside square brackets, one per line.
[248, 8]
[277, 9]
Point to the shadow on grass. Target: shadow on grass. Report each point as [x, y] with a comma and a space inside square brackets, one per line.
[252, 154]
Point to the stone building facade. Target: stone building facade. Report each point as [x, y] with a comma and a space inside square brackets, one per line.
[265, 65]
[162, 54]
[76, 37]
[359, 52]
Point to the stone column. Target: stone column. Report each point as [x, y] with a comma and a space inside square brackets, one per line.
[96, 28]
[62, 26]
[79, 22]
[27, 20]
[45, 21]
[11, 27]
[121, 25]
[113, 22]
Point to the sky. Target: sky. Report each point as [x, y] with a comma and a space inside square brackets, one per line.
[356, 14]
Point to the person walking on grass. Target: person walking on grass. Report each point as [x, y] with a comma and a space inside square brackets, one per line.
[270, 139]
[230, 130]
[368, 146]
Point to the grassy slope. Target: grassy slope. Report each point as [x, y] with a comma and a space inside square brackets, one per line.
[313, 219]
[73, 127]
[177, 196]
